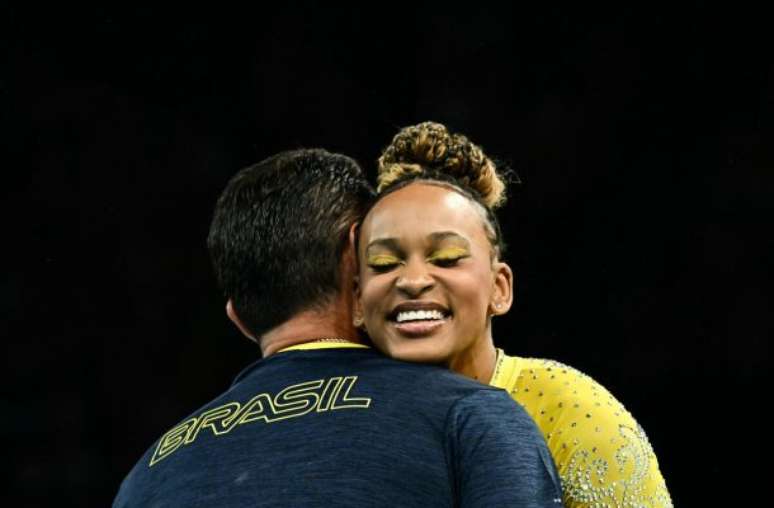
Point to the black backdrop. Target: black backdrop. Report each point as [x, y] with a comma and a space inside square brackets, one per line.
[642, 136]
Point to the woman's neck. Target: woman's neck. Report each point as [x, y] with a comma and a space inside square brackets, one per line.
[476, 362]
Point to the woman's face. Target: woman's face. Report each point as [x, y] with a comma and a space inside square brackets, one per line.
[428, 283]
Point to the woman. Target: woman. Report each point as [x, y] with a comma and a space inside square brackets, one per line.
[431, 279]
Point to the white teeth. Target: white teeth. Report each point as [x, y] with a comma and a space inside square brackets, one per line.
[416, 315]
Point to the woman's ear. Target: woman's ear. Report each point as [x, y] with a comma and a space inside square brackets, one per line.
[502, 296]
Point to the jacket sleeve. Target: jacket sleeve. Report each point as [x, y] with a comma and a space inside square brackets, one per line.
[497, 455]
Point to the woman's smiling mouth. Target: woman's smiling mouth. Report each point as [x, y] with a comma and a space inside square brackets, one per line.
[417, 318]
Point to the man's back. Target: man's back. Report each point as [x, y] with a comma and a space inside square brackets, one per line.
[345, 426]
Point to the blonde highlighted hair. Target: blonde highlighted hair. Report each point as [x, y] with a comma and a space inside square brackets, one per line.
[429, 150]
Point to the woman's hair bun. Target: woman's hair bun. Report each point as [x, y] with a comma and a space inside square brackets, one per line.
[429, 149]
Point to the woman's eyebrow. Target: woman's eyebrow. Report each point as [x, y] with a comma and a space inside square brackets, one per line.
[388, 243]
[444, 235]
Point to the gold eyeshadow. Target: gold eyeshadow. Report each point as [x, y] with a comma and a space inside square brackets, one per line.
[382, 260]
[449, 254]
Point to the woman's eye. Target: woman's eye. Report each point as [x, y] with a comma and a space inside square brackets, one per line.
[448, 257]
[382, 263]
[446, 262]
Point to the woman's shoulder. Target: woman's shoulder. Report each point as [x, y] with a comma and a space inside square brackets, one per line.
[550, 379]
[544, 379]
[600, 450]
[555, 392]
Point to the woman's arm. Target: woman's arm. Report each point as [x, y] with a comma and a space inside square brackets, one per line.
[600, 451]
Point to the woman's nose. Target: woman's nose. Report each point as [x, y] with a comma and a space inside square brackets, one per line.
[414, 280]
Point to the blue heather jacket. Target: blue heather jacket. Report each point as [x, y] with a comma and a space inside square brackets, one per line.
[348, 427]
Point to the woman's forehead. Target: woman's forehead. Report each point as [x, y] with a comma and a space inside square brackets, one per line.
[421, 210]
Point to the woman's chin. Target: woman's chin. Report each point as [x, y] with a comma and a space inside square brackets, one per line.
[431, 350]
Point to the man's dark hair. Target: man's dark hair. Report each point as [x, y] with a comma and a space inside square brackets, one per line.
[279, 230]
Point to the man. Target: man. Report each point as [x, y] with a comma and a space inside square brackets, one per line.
[322, 420]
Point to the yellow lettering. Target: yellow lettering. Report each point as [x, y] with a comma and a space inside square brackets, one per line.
[256, 409]
[329, 393]
[298, 399]
[216, 419]
[291, 402]
[172, 440]
[347, 402]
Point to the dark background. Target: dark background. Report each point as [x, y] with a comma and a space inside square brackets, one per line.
[642, 135]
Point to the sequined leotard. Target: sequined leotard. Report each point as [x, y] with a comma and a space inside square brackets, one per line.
[602, 454]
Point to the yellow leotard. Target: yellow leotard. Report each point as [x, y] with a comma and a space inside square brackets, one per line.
[603, 456]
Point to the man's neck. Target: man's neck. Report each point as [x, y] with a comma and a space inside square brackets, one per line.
[308, 326]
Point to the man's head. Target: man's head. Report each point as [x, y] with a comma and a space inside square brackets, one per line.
[279, 230]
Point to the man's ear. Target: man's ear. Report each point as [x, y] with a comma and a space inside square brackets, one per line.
[348, 261]
[353, 242]
[232, 315]
[502, 296]
[357, 307]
